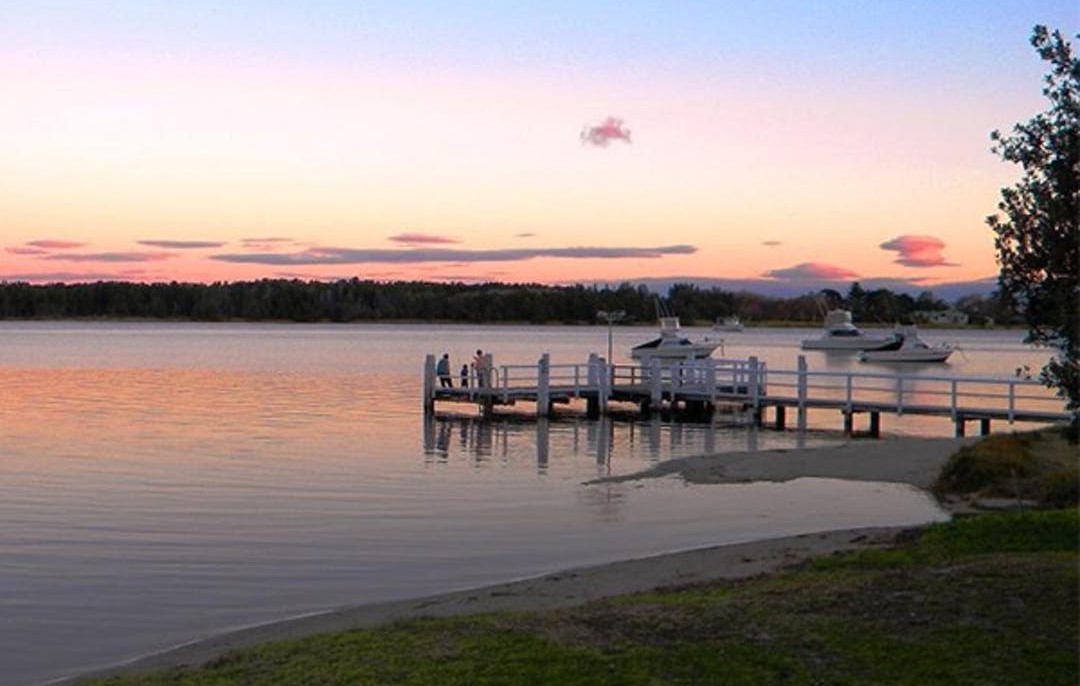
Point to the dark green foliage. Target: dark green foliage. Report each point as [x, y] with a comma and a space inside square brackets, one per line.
[1038, 240]
[355, 300]
[1037, 465]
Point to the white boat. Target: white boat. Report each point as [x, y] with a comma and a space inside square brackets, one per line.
[672, 346]
[908, 348]
[841, 334]
[732, 323]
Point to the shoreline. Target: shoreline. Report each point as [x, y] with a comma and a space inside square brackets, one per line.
[562, 589]
[915, 461]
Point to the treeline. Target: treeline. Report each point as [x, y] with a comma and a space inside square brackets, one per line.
[358, 300]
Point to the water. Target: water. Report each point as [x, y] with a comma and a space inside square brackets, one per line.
[163, 482]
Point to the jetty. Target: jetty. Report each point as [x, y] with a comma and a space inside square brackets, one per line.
[748, 387]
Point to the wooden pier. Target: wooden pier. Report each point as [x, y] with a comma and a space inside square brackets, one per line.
[749, 386]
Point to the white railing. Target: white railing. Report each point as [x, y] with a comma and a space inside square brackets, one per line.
[898, 392]
[753, 382]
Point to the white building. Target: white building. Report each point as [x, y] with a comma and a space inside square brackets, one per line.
[949, 317]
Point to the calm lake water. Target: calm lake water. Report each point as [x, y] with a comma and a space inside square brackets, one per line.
[163, 482]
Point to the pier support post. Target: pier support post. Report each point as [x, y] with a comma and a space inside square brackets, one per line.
[543, 386]
[802, 384]
[710, 379]
[656, 385]
[599, 374]
[429, 384]
[960, 423]
[753, 382]
[984, 426]
[849, 422]
[592, 406]
[592, 383]
[875, 424]
[542, 450]
[780, 417]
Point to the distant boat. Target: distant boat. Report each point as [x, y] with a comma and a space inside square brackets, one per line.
[841, 334]
[672, 346]
[908, 347]
[732, 323]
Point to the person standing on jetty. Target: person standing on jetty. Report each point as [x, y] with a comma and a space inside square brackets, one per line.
[480, 367]
[464, 376]
[442, 370]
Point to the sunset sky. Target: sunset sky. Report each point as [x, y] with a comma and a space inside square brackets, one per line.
[474, 141]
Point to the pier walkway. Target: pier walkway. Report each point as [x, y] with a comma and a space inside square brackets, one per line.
[749, 386]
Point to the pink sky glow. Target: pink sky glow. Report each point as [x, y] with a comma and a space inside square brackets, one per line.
[183, 145]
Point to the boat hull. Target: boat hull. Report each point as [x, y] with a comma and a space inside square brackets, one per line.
[698, 351]
[931, 355]
[848, 343]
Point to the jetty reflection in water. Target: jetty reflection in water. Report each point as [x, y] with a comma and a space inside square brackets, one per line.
[605, 439]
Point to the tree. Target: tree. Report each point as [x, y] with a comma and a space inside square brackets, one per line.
[1037, 241]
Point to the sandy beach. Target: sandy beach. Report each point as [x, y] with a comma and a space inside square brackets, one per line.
[915, 461]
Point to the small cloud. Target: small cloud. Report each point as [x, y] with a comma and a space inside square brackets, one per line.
[182, 245]
[771, 244]
[611, 129]
[303, 276]
[422, 239]
[812, 271]
[918, 251]
[265, 244]
[66, 277]
[112, 257]
[527, 234]
[18, 250]
[465, 277]
[55, 245]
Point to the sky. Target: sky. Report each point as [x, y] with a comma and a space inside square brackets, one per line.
[555, 142]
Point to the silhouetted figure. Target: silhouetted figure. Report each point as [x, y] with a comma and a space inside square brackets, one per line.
[442, 370]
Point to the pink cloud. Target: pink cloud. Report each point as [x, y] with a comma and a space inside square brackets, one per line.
[26, 251]
[918, 251]
[812, 271]
[181, 245]
[421, 239]
[771, 244]
[72, 277]
[332, 255]
[304, 276]
[55, 245]
[265, 244]
[611, 129]
[112, 257]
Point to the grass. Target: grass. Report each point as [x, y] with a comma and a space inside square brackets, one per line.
[1037, 465]
[985, 600]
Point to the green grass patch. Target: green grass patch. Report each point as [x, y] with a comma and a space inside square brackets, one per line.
[1045, 531]
[983, 600]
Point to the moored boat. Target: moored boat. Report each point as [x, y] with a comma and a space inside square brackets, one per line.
[842, 334]
[732, 323]
[672, 346]
[908, 348]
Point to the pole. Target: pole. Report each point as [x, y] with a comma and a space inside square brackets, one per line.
[610, 316]
[609, 340]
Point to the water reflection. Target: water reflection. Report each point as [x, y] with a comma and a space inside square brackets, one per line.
[607, 442]
[171, 481]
